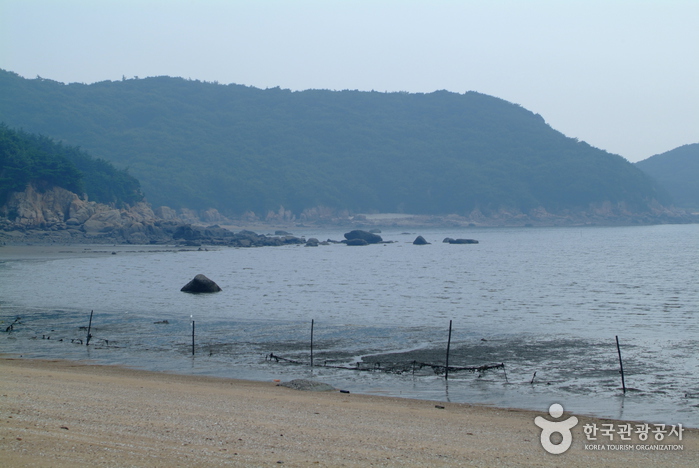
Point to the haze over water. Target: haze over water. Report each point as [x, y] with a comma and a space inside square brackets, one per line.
[544, 300]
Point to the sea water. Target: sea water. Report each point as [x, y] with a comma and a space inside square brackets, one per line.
[546, 302]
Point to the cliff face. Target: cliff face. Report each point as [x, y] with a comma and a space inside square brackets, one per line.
[59, 211]
[52, 214]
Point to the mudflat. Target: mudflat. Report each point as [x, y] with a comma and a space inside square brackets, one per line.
[64, 413]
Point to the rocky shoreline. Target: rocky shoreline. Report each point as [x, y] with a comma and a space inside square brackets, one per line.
[57, 216]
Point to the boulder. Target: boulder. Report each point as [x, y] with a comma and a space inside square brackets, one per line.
[419, 240]
[201, 284]
[312, 242]
[368, 237]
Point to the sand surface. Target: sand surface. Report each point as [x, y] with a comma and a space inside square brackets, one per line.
[63, 413]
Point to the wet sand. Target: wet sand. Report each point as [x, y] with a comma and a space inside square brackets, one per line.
[63, 413]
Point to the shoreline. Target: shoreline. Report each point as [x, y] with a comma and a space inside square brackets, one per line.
[68, 413]
[26, 235]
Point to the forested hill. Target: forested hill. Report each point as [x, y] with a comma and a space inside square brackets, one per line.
[236, 148]
[678, 171]
[26, 158]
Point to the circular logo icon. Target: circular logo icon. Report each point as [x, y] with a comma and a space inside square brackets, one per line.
[548, 428]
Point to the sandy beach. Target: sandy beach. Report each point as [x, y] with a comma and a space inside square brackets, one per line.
[63, 413]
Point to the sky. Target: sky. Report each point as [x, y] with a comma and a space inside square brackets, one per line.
[620, 75]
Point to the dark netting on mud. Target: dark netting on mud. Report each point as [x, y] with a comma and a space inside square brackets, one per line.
[413, 367]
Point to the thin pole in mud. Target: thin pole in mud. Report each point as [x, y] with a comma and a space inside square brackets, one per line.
[89, 328]
[446, 369]
[192, 337]
[312, 320]
[621, 365]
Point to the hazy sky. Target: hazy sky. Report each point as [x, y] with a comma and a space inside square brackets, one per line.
[621, 75]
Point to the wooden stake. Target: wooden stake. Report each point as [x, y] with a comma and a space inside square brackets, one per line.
[89, 328]
[192, 337]
[312, 320]
[621, 365]
[446, 370]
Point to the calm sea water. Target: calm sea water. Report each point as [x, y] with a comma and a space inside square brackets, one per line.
[548, 301]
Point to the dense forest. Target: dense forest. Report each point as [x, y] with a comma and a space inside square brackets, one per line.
[678, 170]
[237, 148]
[26, 158]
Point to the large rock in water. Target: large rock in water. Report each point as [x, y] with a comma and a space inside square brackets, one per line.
[201, 284]
[419, 240]
[368, 237]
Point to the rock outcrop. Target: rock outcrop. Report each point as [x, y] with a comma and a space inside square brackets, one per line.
[200, 284]
[368, 237]
[419, 240]
[38, 207]
[53, 214]
[57, 210]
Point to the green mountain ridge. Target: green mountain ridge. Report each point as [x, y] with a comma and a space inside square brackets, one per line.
[27, 158]
[239, 149]
[678, 171]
